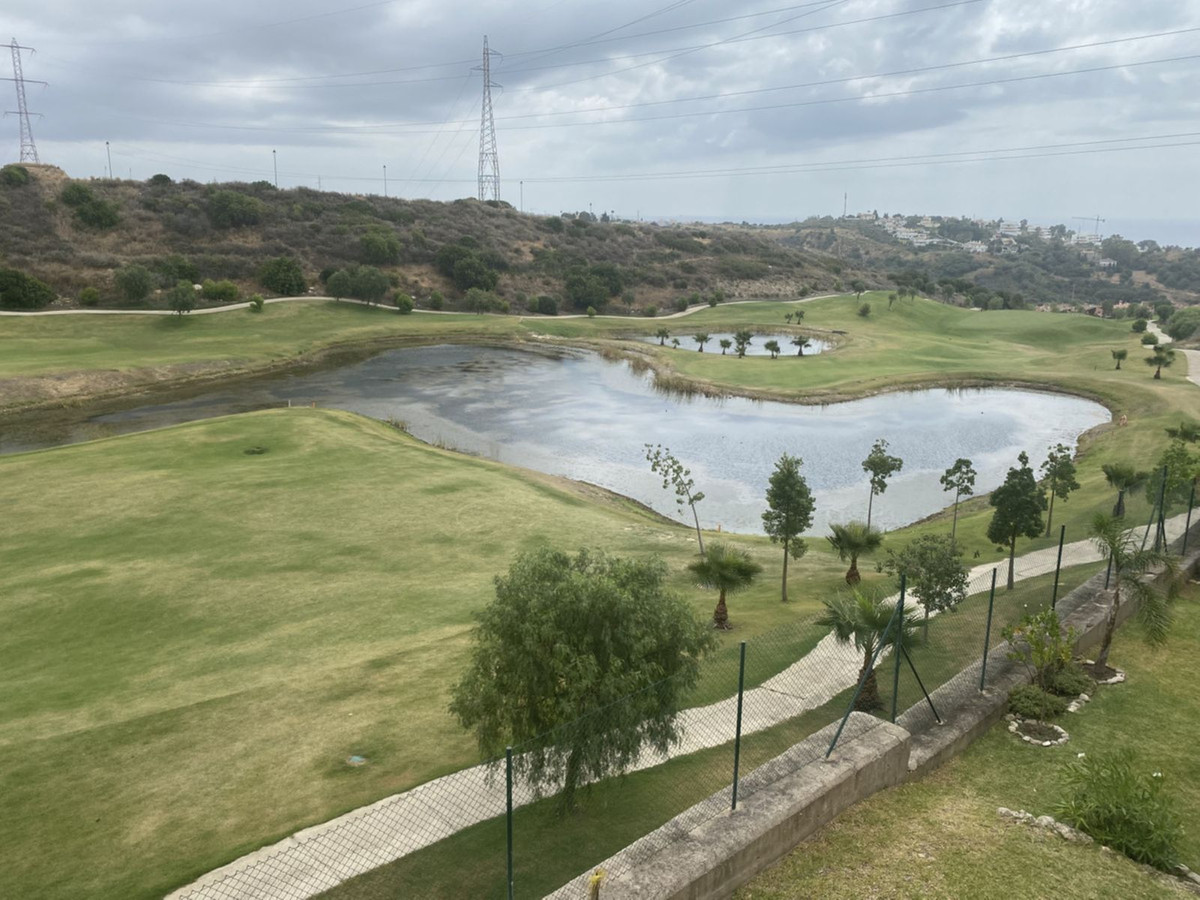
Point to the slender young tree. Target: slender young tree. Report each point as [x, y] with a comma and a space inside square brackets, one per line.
[1059, 473]
[933, 571]
[880, 466]
[1123, 478]
[1131, 561]
[862, 619]
[852, 540]
[959, 478]
[676, 477]
[702, 338]
[724, 569]
[789, 512]
[1019, 504]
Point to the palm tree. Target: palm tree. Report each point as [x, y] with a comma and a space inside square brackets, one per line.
[799, 314]
[788, 317]
[662, 334]
[851, 541]
[675, 343]
[702, 338]
[726, 343]
[800, 343]
[742, 340]
[1123, 478]
[772, 347]
[1119, 355]
[1163, 356]
[727, 570]
[1130, 561]
[863, 619]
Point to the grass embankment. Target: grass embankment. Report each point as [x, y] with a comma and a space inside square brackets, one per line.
[194, 639]
[941, 837]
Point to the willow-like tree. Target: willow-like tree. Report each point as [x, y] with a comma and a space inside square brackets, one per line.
[584, 661]
[852, 540]
[726, 570]
[959, 478]
[789, 512]
[1058, 471]
[1122, 477]
[1019, 504]
[880, 466]
[679, 479]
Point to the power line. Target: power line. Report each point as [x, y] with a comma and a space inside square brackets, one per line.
[28, 147]
[489, 154]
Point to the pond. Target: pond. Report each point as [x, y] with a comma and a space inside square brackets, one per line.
[580, 416]
[755, 348]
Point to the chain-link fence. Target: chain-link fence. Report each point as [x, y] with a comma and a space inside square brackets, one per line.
[487, 832]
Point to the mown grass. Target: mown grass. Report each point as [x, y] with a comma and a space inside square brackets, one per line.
[940, 837]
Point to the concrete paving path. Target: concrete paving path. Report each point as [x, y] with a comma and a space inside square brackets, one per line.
[319, 858]
[1192, 357]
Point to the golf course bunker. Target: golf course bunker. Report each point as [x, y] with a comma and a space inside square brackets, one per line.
[756, 346]
[580, 416]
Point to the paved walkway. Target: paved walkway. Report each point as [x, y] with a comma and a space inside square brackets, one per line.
[319, 858]
[1192, 357]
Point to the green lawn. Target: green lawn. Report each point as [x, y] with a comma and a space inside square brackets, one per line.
[940, 836]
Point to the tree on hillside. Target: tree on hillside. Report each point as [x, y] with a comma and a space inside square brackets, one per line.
[852, 540]
[858, 286]
[742, 340]
[933, 573]
[674, 476]
[1163, 356]
[789, 511]
[582, 661]
[1019, 504]
[702, 338]
[282, 275]
[1123, 477]
[880, 466]
[959, 478]
[1058, 471]
[1130, 561]
[21, 291]
[134, 282]
[1119, 356]
[181, 298]
[662, 334]
[800, 343]
[862, 618]
[725, 343]
[772, 347]
[725, 569]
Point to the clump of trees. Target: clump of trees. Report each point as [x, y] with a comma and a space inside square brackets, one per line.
[360, 282]
[134, 282]
[21, 291]
[90, 210]
[283, 276]
[233, 209]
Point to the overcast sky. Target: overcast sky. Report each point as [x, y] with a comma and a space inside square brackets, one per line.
[596, 92]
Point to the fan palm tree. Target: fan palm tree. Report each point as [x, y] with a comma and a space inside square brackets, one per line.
[727, 570]
[1119, 355]
[772, 347]
[726, 343]
[862, 619]
[1163, 356]
[742, 340]
[800, 343]
[702, 338]
[851, 541]
[1123, 478]
[662, 334]
[1130, 561]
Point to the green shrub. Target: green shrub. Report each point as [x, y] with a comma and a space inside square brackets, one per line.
[360, 282]
[591, 312]
[1121, 808]
[553, 223]
[650, 311]
[404, 304]
[547, 306]
[134, 282]
[379, 247]
[1138, 326]
[865, 310]
[181, 298]
[76, 194]
[1040, 645]
[283, 276]
[224, 291]
[160, 180]
[256, 303]
[1149, 340]
[14, 176]
[89, 296]
[681, 304]
[21, 291]
[1030, 702]
[1070, 681]
[472, 272]
[231, 209]
[173, 268]
[436, 300]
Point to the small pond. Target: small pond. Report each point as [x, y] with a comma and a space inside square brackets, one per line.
[755, 348]
[580, 416]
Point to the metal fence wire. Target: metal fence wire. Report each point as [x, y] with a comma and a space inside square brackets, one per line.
[487, 832]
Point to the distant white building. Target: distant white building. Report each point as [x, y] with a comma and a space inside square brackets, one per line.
[975, 247]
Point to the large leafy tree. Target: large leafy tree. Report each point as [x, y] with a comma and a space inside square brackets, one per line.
[933, 572]
[1123, 478]
[1181, 467]
[852, 540]
[675, 477]
[581, 661]
[1130, 562]
[726, 570]
[862, 619]
[1019, 504]
[881, 466]
[959, 478]
[1059, 473]
[789, 512]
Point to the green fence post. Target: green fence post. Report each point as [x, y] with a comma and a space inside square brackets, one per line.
[1062, 535]
[1107, 573]
[737, 738]
[987, 635]
[508, 792]
[1188, 525]
[897, 642]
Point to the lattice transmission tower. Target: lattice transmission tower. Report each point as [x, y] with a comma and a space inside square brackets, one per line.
[489, 156]
[28, 147]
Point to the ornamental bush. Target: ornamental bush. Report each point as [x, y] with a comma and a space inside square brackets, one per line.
[1030, 702]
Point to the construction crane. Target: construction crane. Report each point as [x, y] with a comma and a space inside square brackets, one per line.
[1095, 219]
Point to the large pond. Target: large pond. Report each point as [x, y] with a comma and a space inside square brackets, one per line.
[756, 347]
[588, 419]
